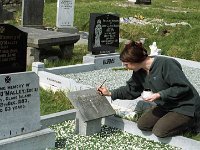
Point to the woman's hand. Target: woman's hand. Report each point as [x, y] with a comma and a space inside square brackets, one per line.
[103, 91]
[152, 97]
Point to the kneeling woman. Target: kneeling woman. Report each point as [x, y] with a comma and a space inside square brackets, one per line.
[178, 103]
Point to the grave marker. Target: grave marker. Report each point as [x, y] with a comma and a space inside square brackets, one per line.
[32, 13]
[91, 108]
[1, 12]
[19, 104]
[103, 33]
[65, 13]
[13, 44]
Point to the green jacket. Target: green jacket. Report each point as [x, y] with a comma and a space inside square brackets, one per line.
[167, 78]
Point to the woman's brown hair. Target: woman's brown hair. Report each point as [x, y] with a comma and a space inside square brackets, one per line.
[133, 52]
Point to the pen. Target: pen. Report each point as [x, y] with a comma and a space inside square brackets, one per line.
[102, 83]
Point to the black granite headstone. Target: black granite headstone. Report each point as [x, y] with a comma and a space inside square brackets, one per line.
[13, 44]
[1, 12]
[91, 104]
[103, 33]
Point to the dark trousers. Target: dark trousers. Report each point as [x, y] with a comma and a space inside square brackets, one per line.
[163, 123]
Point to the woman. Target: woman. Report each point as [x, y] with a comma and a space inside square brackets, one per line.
[177, 100]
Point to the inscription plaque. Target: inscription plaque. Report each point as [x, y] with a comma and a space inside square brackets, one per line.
[90, 104]
[13, 44]
[103, 33]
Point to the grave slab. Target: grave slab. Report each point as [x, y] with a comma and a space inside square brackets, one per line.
[91, 104]
[38, 140]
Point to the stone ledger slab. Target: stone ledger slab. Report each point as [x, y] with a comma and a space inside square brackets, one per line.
[90, 104]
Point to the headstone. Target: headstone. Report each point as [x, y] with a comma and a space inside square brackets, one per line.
[19, 104]
[32, 13]
[91, 108]
[20, 113]
[13, 44]
[65, 13]
[65, 16]
[103, 33]
[147, 2]
[1, 12]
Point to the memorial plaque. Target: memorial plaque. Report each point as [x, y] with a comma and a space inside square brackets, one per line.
[13, 44]
[65, 13]
[91, 104]
[103, 33]
[19, 104]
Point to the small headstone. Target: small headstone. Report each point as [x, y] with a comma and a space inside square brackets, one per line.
[91, 104]
[103, 33]
[65, 13]
[13, 44]
[1, 12]
[147, 2]
[19, 104]
[32, 13]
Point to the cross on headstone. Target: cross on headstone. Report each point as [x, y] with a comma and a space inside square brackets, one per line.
[91, 107]
[13, 44]
[32, 13]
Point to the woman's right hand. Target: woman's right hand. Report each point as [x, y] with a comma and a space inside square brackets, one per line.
[103, 91]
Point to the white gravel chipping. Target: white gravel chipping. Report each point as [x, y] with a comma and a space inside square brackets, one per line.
[108, 139]
[117, 78]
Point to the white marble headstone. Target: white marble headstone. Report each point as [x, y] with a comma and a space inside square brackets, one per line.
[65, 13]
[19, 104]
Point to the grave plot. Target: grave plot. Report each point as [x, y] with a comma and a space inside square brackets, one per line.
[53, 78]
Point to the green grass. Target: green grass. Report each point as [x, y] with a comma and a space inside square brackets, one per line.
[52, 102]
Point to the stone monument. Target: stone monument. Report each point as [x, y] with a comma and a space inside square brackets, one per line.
[19, 96]
[32, 13]
[1, 13]
[13, 44]
[91, 107]
[65, 16]
[103, 40]
[20, 114]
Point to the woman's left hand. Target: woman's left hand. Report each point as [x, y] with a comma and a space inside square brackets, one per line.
[152, 97]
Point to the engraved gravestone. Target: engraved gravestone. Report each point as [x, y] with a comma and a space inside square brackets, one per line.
[91, 104]
[91, 108]
[1, 12]
[65, 13]
[19, 104]
[13, 44]
[103, 33]
[32, 13]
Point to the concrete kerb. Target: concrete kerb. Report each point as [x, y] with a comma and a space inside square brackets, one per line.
[51, 78]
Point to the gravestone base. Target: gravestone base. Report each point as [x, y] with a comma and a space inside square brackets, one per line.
[39, 140]
[103, 60]
[34, 26]
[87, 128]
[33, 55]
[71, 30]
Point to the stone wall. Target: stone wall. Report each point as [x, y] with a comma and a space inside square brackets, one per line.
[6, 2]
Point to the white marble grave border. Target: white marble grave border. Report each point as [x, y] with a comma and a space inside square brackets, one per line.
[50, 78]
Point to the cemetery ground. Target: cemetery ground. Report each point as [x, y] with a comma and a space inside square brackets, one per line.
[174, 39]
